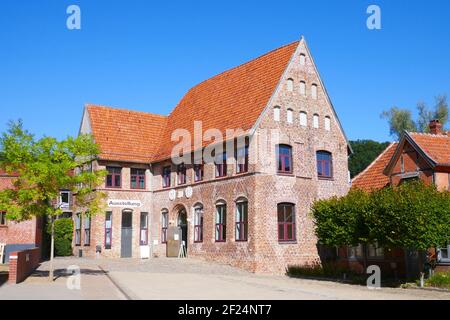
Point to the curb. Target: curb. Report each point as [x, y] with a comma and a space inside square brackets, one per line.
[428, 289]
[127, 295]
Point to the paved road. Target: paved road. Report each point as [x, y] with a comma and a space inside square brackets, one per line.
[190, 279]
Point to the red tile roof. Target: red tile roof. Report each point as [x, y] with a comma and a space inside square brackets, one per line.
[233, 99]
[436, 146]
[372, 177]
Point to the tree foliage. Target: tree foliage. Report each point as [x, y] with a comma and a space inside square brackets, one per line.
[63, 236]
[411, 215]
[401, 119]
[364, 152]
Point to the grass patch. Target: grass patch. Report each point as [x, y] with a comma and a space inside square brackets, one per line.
[439, 280]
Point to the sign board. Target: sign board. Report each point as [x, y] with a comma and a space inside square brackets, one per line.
[113, 203]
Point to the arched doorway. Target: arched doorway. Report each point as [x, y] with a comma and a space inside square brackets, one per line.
[182, 223]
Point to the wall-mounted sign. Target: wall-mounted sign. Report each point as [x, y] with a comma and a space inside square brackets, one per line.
[124, 203]
[180, 194]
[172, 195]
[188, 192]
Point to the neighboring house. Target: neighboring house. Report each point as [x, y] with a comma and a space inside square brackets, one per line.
[250, 211]
[17, 236]
[424, 156]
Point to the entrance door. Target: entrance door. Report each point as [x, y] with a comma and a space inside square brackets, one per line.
[127, 234]
[182, 223]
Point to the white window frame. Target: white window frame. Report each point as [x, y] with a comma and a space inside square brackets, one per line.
[327, 123]
[302, 88]
[303, 119]
[439, 254]
[290, 116]
[302, 59]
[290, 84]
[64, 205]
[276, 113]
[316, 120]
[314, 91]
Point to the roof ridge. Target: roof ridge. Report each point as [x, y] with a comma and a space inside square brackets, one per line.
[123, 109]
[440, 135]
[376, 159]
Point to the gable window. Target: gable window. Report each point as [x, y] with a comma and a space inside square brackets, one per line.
[221, 165]
[87, 230]
[303, 119]
[314, 91]
[114, 177]
[198, 172]
[164, 226]
[324, 164]
[290, 85]
[327, 123]
[286, 222]
[302, 59]
[284, 158]
[181, 173]
[166, 177]
[143, 238]
[2, 218]
[64, 199]
[242, 159]
[276, 113]
[316, 121]
[78, 229]
[302, 88]
[241, 220]
[221, 220]
[108, 230]
[290, 116]
[198, 223]
[137, 179]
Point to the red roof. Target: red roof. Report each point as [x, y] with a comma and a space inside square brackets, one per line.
[435, 146]
[233, 99]
[372, 177]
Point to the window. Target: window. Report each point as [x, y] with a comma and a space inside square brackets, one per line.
[290, 85]
[327, 123]
[78, 229]
[242, 159]
[137, 179]
[286, 222]
[241, 220]
[114, 177]
[355, 252]
[316, 121]
[198, 172]
[143, 239]
[303, 119]
[302, 59]
[221, 165]
[2, 218]
[374, 251]
[166, 177]
[290, 116]
[181, 173]
[64, 199]
[164, 226]
[87, 230]
[108, 230]
[276, 113]
[302, 88]
[284, 158]
[444, 254]
[324, 164]
[402, 164]
[221, 218]
[314, 91]
[198, 223]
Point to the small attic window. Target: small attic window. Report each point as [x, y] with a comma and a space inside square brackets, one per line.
[303, 119]
[316, 121]
[327, 123]
[302, 59]
[302, 88]
[290, 116]
[290, 85]
[314, 91]
[276, 113]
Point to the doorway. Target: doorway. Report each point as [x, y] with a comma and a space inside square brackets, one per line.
[182, 223]
[127, 234]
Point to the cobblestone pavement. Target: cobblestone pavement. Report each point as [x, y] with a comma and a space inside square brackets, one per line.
[189, 279]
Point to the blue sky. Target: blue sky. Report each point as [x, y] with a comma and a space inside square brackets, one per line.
[144, 55]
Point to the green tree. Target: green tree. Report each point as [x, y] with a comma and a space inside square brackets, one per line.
[43, 167]
[399, 120]
[364, 152]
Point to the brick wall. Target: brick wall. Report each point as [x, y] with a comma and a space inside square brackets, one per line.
[22, 264]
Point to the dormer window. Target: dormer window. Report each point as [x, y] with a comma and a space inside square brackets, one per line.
[314, 91]
[290, 116]
[276, 113]
[290, 85]
[302, 88]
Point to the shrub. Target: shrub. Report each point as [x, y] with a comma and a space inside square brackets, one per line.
[325, 270]
[63, 236]
[439, 280]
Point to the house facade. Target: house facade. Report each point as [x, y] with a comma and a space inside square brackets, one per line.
[275, 144]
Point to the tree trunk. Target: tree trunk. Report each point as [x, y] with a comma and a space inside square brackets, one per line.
[52, 249]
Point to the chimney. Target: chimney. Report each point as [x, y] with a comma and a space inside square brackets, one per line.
[435, 127]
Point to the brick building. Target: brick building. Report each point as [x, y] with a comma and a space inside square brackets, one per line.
[249, 207]
[17, 236]
[424, 156]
